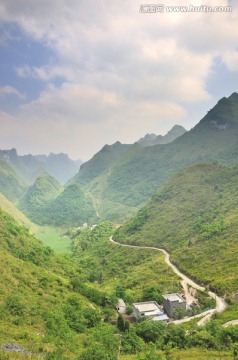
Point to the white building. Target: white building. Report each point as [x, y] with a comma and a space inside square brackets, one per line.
[151, 310]
[121, 306]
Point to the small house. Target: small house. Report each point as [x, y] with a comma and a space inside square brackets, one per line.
[151, 310]
[121, 306]
[171, 302]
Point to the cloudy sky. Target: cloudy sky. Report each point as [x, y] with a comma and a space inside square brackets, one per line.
[75, 75]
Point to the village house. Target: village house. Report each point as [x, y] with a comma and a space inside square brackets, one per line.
[121, 306]
[151, 310]
[171, 302]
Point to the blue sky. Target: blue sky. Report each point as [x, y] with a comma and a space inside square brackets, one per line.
[77, 75]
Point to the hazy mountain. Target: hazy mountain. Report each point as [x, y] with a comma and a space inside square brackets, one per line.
[195, 217]
[100, 162]
[147, 139]
[58, 165]
[152, 139]
[133, 179]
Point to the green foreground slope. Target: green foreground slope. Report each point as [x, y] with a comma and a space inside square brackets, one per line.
[11, 209]
[11, 185]
[39, 308]
[195, 217]
[49, 308]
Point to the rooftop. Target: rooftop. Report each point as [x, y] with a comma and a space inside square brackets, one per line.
[174, 297]
[147, 306]
[121, 303]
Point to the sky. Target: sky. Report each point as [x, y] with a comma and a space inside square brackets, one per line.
[76, 75]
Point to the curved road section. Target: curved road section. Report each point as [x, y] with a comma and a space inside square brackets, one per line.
[220, 303]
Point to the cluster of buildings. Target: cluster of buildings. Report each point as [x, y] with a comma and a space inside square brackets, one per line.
[170, 304]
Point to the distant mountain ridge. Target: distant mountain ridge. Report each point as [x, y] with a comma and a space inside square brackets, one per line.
[58, 165]
[152, 139]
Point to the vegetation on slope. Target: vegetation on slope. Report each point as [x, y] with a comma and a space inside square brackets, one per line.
[35, 202]
[50, 307]
[11, 209]
[11, 186]
[131, 274]
[47, 203]
[101, 161]
[194, 216]
[71, 208]
[39, 308]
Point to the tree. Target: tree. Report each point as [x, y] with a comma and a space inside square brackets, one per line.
[96, 352]
[121, 322]
[131, 343]
[150, 330]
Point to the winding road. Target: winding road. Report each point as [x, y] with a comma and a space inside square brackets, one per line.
[206, 315]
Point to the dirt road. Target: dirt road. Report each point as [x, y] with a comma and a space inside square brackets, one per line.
[220, 303]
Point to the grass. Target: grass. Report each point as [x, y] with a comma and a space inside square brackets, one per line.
[11, 209]
[55, 238]
[191, 354]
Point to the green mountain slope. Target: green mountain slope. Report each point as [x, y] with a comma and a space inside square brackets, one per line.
[71, 208]
[46, 202]
[39, 308]
[133, 179]
[11, 209]
[100, 162]
[35, 202]
[11, 186]
[195, 217]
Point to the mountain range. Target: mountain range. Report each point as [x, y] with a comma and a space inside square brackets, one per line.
[120, 178]
[27, 166]
[129, 181]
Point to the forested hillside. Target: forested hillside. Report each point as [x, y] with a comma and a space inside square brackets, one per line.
[11, 186]
[194, 216]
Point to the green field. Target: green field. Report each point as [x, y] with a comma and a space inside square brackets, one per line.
[55, 238]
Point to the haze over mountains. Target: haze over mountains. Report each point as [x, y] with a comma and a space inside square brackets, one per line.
[27, 166]
[120, 178]
[138, 172]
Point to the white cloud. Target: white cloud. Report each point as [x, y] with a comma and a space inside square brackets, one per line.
[9, 90]
[51, 130]
[230, 58]
[125, 73]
